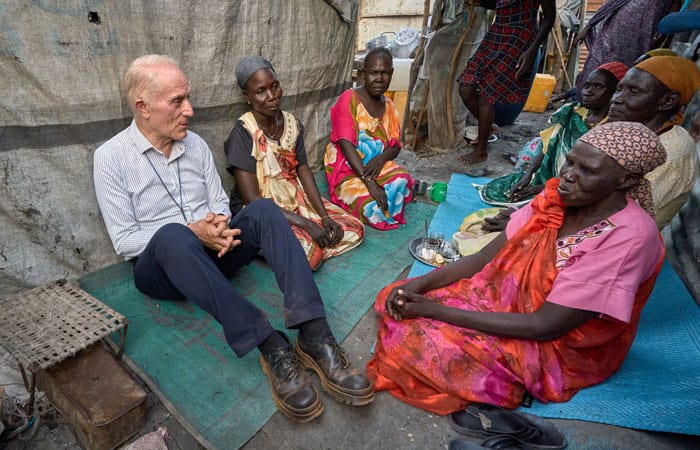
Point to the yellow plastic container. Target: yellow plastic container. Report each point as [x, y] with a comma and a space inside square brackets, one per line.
[400, 98]
[541, 90]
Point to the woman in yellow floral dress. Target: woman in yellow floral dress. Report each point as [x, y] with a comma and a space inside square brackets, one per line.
[266, 155]
[362, 175]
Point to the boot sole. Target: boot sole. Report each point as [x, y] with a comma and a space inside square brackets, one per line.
[297, 416]
[355, 398]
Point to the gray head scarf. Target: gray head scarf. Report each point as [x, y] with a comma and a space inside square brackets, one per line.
[248, 66]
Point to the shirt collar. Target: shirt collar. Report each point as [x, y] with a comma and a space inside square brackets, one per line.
[143, 145]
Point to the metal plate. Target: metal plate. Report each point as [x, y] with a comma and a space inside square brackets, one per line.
[415, 248]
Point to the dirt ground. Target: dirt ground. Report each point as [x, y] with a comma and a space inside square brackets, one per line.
[387, 423]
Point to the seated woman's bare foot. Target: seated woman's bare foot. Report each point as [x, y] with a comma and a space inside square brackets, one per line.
[475, 157]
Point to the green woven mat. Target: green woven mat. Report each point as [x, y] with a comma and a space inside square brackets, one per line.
[183, 350]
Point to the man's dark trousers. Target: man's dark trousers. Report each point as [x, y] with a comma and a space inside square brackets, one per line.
[175, 265]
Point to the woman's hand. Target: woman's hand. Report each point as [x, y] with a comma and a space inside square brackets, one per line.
[333, 230]
[529, 191]
[581, 36]
[374, 167]
[391, 304]
[522, 184]
[523, 189]
[525, 63]
[499, 221]
[317, 233]
[410, 305]
[377, 192]
[519, 194]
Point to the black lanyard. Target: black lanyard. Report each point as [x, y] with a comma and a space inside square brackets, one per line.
[180, 205]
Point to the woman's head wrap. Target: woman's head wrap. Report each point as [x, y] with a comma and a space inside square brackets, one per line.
[617, 69]
[660, 52]
[248, 66]
[654, 52]
[633, 146]
[676, 73]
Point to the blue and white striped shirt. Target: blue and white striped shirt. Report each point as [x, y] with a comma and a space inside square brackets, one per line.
[133, 201]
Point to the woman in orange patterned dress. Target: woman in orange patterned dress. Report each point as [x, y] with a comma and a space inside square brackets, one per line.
[362, 175]
[550, 306]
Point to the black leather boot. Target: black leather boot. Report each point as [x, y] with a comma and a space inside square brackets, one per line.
[291, 387]
[338, 378]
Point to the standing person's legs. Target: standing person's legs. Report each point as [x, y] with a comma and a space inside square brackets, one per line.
[487, 113]
[486, 117]
[470, 97]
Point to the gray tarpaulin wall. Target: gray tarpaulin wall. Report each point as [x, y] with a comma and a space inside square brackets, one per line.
[61, 62]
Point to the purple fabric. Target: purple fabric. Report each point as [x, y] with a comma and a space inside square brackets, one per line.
[621, 31]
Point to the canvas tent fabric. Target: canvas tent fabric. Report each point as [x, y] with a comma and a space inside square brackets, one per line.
[468, 29]
[461, 31]
[61, 64]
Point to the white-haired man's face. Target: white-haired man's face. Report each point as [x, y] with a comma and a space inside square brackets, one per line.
[166, 115]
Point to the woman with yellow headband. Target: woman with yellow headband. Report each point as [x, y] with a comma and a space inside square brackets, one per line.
[549, 307]
[654, 93]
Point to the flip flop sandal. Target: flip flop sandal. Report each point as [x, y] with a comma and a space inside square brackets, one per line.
[474, 142]
[471, 142]
[477, 172]
[500, 442]
[463, 444]
[481, 420]
[503, 442]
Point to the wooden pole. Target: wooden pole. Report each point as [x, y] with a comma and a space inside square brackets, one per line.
[574, 50]
[420, 115]
[415, 66]
[560, 54]
[450, 77]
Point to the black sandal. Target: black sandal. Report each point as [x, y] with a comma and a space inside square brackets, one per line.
[487, 421]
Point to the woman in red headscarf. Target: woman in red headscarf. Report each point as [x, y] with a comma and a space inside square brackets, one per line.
[542, 157]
